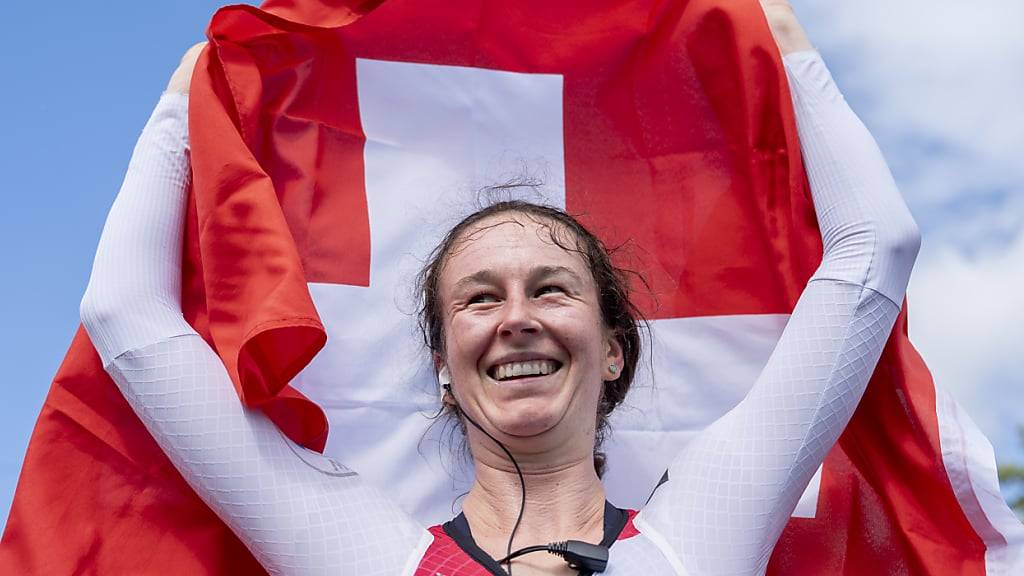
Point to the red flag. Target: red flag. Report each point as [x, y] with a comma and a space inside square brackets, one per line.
[678, 138]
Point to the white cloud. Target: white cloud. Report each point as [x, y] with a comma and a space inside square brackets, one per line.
[941, 87]
[967, 321]
[940, 84]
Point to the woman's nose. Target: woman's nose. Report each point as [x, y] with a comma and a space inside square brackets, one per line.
[519, 318]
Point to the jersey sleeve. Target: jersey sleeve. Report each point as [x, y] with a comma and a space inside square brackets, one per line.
[730, 492]
[296, 510]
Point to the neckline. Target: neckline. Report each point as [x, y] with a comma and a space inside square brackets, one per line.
[458, 530]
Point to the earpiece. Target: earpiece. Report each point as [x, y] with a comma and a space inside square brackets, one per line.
[444, 379]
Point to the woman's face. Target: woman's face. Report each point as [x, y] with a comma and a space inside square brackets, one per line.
[525, 343]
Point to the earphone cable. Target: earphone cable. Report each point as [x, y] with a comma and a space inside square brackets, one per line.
[522, 485]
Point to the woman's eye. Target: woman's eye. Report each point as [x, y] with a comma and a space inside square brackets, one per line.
[550, 289]
[483, 298]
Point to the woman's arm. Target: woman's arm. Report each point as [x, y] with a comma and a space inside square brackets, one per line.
[297, 511]
[731, 491]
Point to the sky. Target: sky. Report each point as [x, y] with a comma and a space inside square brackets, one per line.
[937, 82]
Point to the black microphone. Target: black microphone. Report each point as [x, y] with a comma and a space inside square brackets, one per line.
[581, 555]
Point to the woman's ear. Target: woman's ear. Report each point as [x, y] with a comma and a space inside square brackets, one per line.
[444, 380]
[614, 358]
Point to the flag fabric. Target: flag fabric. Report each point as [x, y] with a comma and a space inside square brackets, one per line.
[334, 142]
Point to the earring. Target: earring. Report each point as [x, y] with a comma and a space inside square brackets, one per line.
[444, 379]
[613, 368]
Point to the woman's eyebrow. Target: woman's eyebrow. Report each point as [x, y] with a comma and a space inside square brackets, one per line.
[548, 271]
[479, 277]
[537, 273]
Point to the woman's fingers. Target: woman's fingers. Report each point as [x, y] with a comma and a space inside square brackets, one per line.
[182, 77]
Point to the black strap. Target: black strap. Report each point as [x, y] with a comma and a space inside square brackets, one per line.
[458, 530]
[614, 521]
[664, 480]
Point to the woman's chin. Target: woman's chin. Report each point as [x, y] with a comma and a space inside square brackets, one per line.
[527, 418]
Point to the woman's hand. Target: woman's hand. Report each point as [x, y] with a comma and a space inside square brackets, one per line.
[182, 77]
[786, 29]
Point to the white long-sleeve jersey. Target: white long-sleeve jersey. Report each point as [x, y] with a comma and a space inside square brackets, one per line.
[728, 494]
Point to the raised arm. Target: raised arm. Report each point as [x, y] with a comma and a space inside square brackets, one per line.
[731, 491]
[297, 511]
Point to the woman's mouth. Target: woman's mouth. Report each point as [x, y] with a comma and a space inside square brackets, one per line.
[508, 371]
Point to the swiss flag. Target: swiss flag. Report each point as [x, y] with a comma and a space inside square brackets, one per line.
[333, 142]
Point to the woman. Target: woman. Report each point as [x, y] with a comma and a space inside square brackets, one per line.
[532, 337]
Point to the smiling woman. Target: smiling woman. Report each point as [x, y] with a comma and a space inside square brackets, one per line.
[535, 342]
[579, 271]
[534, 335]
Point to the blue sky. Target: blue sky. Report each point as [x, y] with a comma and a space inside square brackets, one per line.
[81, 79]
[939, 86]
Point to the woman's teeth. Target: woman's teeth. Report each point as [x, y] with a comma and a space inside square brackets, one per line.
[521, 369]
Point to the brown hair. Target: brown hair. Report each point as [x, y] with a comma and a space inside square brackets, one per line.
[617, 310]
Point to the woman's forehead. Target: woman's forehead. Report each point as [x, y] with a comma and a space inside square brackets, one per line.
[514, 241]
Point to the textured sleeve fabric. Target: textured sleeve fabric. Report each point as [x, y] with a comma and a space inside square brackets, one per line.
[732, 489]
[297, 511]
[870, 238]
[134, 292]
